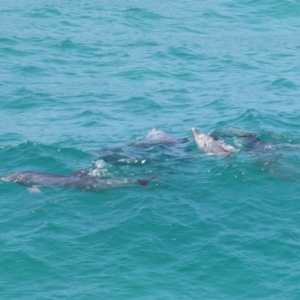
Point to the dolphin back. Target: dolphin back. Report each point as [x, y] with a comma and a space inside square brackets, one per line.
[76, 180]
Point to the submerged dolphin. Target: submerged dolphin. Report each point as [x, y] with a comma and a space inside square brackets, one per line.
[247, 140]
[209, 145]
[77, 180]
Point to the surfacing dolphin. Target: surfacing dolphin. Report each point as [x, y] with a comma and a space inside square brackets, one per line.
[209, 145]
[77, 180]
[159, 137]
[150, 147]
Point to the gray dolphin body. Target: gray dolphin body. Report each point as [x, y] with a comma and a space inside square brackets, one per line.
[247, 140]
[153, 146]
[159, 137]
[77, 180]
[209, 145]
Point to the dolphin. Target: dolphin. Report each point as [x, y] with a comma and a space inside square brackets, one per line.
[77, 180]
[209, 145]
[152, 146]
[159, 137]
[249, 141]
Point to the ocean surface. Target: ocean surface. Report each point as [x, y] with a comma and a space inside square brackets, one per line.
[84, 82]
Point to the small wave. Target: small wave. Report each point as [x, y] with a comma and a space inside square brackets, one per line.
[282, 83]
[66, 44]
[46, 11]
[142, 14]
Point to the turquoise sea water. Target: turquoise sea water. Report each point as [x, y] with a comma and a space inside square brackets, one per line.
[81, 76]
